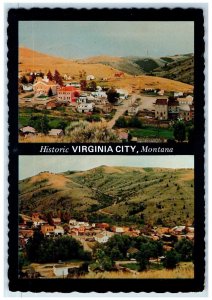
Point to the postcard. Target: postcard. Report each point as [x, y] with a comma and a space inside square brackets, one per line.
[106, 150]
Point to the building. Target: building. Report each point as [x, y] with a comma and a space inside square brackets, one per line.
[101, 238]
[90, 77]
[52, 105]
[85, 107]
[185, 112]
[42, 87]
[186, 100]
[68, 93]
[27, 130]
[59, 230]
[173, 109]
[122, 94]
[178, 94]
[27, 87]
[161, 109]
[56, 132]
[133, 110]
[47, 230]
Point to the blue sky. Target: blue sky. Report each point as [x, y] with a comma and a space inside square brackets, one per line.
[31, 165]
[79, 39]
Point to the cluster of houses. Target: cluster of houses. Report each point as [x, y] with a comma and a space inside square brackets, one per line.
[174, 108]
[98, 232]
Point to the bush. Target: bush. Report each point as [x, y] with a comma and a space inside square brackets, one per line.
[171, 260]
[121, 122]
[185, 249]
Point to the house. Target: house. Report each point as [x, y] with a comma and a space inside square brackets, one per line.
[47, 229]
[118, 229]
[161, 109]
[59, 230]
[133, 110]
[68, 93]
[100, 94]
[179, 230]
[52, 105]
[27, 87]
[74, 84]
[185, 112]
[90, 77]
[191, 112]
[26, 233]
[56, 221]
[122, 94]
[101, 238]
[119, 74]
[72, 222]
[56, 132]
[131, 252]
[85, 107]
[173, 109]
[123, 136]
[27, 130]
[102, 225]
[186, 100]
[42, 87]
[60, 270]
[161, 92]
[178, 94]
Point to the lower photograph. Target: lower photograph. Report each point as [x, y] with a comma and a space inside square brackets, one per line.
[106, 217]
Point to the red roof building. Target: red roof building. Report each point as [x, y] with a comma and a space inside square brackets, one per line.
[68, 93]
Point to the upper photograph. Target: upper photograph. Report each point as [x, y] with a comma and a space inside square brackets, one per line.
[105, 81]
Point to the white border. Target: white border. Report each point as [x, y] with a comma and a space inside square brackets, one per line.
[4, 292]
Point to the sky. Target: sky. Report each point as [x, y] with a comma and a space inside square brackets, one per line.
[30, 165]
[80, 39]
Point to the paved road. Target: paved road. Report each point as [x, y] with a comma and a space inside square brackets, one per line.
[120, 110]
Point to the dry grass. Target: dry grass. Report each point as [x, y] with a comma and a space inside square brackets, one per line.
[34, 61]
[184, 270]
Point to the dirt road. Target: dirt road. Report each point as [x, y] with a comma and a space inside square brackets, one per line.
[120, 110]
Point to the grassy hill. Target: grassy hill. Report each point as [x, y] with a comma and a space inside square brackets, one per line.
[178, 67]
[103, 67]
[30, 60]
[180, 70]
[148, 195]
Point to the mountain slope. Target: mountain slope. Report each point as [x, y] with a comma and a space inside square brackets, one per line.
[131, 194]
[30, 60]
[181, 70]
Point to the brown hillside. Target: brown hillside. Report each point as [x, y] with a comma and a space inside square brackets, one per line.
[30, 60]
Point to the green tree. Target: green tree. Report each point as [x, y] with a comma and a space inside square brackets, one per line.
[91, 86]
[24, 80]
[50, 93]
[179, 130]
[112, 95]
[121, 122]
[49, 75]
[171, 259]
[83, 84]
[184, 248]
[58, 78]
[135, 122]
[142, 260]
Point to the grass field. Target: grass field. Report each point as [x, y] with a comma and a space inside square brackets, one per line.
[184, 270]
[153, 132]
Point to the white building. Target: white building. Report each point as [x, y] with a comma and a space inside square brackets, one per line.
[59, 230]
[101, 238]
[85, 107]
[122, 94]
[90, 77]
[60, 270]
